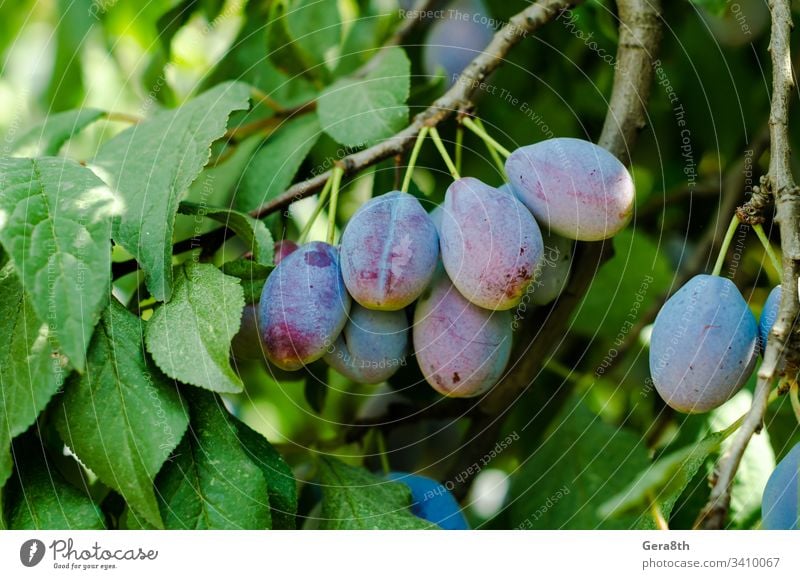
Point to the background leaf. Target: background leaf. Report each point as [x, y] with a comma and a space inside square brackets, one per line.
[278, 474]
[363, 111]
[152, 164]
[252, 232]
[47, 138]
[40, 497]
[31, 370]
[354, 498]
[122, 418]
[190, 337]
[275, 164]
[580, 463]
[55, 222]
[211, 482]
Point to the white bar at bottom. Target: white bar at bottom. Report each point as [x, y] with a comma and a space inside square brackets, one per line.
[401, 554]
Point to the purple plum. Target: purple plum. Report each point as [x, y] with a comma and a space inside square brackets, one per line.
[462, 349]
[573, 187]
[304, 306]
[491, 245]
[389, 252]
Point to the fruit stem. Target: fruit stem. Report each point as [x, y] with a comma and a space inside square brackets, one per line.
[412, 160]
[337, 181]
[725, 244]
[437, 140]
[490, 142]
[793, 396]
[658, 516]
[323, 197]
[459, 146]
[762, 237]
[560, 370]
[493, 153]
[381, 444]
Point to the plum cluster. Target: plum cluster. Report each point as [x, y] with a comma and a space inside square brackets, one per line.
[455, 273]
[705, 343]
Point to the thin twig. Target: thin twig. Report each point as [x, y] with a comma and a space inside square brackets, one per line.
[787, 204]
[454, 100]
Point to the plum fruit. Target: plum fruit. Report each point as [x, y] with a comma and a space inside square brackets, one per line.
[389, 252]
[553, 273]
[371, 347]
[573, 187]
[703, 345]
[491, 245]
[431, 501]
[462, 349]
[303, 307]
[768, 316]
[779, 509]
[454, 41]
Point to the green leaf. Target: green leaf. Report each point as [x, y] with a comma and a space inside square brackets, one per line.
[190, 336]
[668, 477]
[278, 474]
[211, 482]
[252, 231]
[354, 498]
[55, 222]
[152, 164]
[664, 481]
[275, 164]
[75, 20]
[31, 369]
[305, 36]
[620, 292]
[580, 463]
[122, 418]
[251, 275]
[363, 111]
[47, 137]
[42, 499]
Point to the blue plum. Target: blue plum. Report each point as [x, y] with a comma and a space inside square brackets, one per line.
[768, 316]
[431, 501]
[491, 245]
[779, 508]
[703, 345]
[454, 41]
[389, 252]
[573, 187]
[462, 349]
[372, 346]
[553, 273]
[303, 307]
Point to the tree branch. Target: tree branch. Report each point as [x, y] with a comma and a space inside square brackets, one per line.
[640, 36]
[782, 339]
[454, 100]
